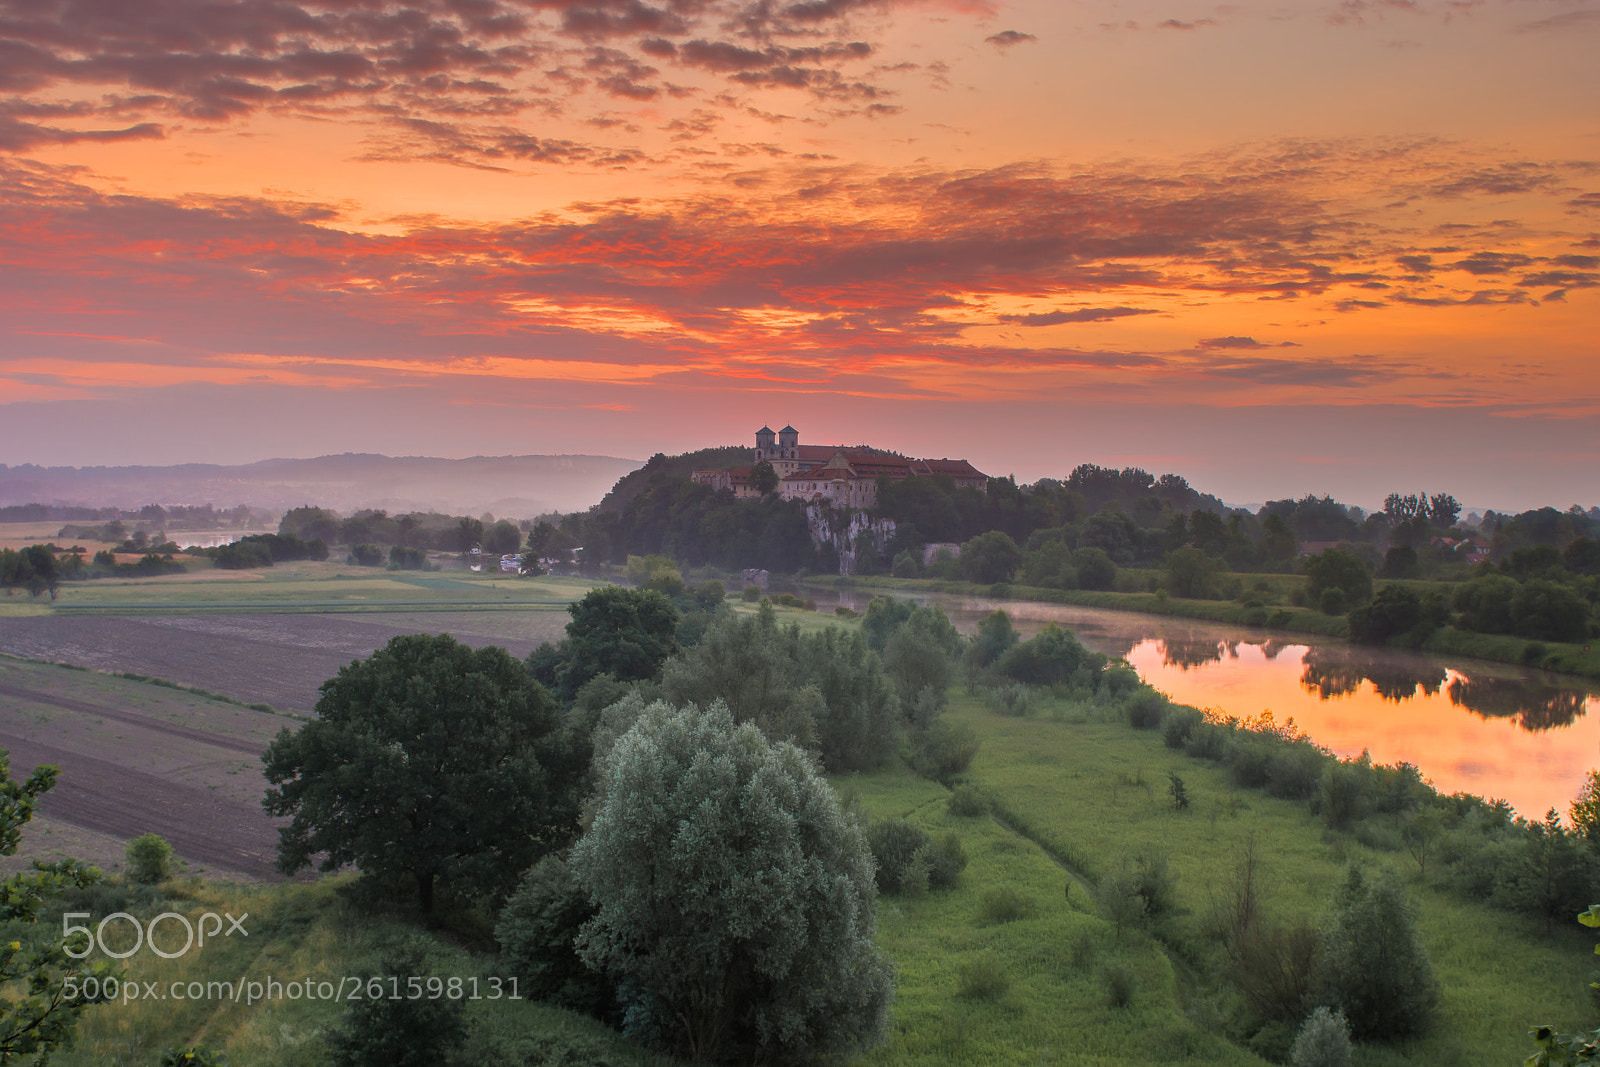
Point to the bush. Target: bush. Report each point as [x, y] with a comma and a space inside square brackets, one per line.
[983, 975]
[1119, 681]
[1294, 772]
[1003, 904]
[1180, 725]
[751, 594]
[1324, 1041]
[149, 859]
[1121, 984]
[1333, 601]
[1549, 611]
[896, 846]
[1373, 965]
[366, 555]
[1051, 656]
[1012, 700]
[946, 860]
[536, 932]
[398, 1032]
[945, 749]
[1146, 709]
[966, 802]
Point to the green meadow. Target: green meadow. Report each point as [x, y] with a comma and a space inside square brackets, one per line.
[305, 587]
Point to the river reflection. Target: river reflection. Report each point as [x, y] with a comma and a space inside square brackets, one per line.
[1527, 737]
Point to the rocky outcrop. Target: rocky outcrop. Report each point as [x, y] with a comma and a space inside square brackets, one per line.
[847, 532]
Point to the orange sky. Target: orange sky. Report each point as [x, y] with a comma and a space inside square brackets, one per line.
[1342, 247]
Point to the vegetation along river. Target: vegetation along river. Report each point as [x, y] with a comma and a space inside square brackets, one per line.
[1524, 736]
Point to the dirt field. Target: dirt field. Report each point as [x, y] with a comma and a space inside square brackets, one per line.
[138, 758]
[272, 659]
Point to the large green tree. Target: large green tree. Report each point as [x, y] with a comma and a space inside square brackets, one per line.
[736, 900]
[626, 633]
[429, 761]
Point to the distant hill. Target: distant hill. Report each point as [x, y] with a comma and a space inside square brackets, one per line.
[633, 483]
[508, 486]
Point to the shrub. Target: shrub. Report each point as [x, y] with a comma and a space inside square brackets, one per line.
[1180, 725]
[896, 845]
[1049, 657]
[751, 594]
[1333, 601]
[1120, 680]
[1121, 984]
[149, 859]
[536, 932]
[1324, 1041]
[1003, 904]
[1011, 700]
[946, 860]
[1549, 611]
[1294, 772]
[905, 565]
[365, 555]
[1146, 709]
[1373, 965]
[1082, 952]
[966, 802]
[983, 975]
[945, 749]
[398, 1032]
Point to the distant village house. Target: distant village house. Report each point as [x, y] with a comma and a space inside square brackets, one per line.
[844, 477]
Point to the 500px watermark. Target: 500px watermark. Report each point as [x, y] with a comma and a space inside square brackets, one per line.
[194, 934]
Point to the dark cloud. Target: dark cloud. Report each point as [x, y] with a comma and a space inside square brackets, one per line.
[1481, 263]
[1056, 318]
[211, 61]
[1006, 38]
[1482, 296]
[1180, 24]
[17, 136]
[1566, 279]
[1212, 343]
[1580, 262]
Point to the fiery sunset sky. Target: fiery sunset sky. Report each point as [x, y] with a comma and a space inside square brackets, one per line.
[1346, 246]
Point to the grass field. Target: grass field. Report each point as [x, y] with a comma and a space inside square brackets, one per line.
[321, 587]
[1091, 789]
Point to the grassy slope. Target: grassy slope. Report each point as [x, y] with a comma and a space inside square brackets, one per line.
[300, 932]
[1093, 789]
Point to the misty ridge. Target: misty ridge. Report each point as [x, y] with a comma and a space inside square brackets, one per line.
[505, 485]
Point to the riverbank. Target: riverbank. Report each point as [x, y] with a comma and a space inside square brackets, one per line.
[1578, 660]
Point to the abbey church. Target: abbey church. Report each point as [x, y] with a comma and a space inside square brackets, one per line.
[833, 474]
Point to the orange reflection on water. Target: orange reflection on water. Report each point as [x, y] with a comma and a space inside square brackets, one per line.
[1533, 753]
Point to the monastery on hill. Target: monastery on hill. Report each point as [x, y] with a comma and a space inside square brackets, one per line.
[832, 474]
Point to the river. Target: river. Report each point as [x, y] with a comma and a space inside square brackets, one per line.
[1527, 737]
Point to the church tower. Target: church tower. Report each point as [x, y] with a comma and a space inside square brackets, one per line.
[765, 449]
[788, 450]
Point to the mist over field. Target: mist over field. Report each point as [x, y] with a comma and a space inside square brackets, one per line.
[506, 485]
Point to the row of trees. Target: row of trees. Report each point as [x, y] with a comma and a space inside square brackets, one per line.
[419, 530]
